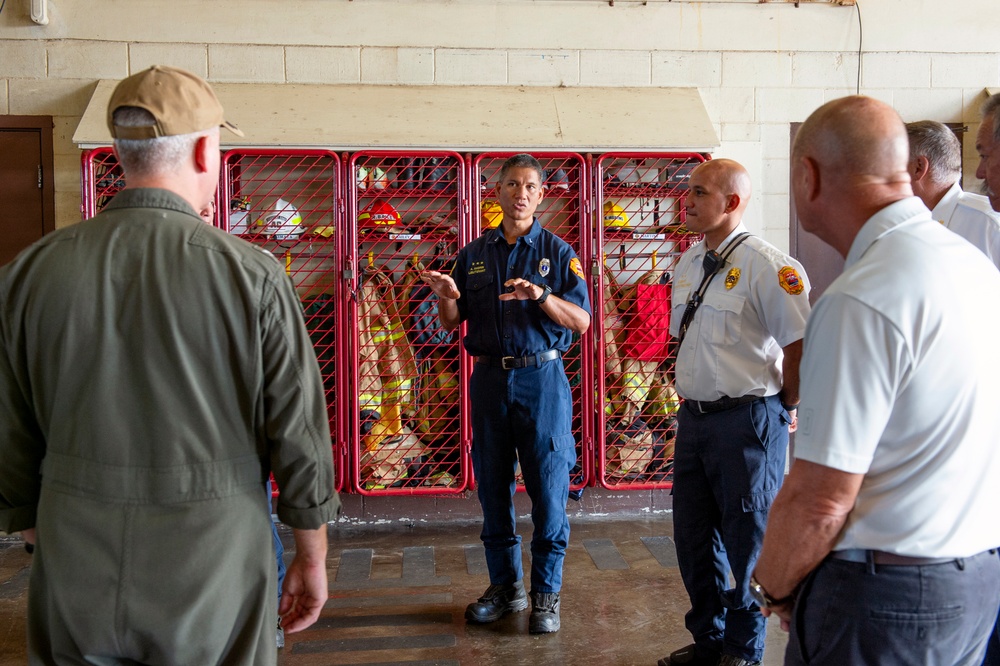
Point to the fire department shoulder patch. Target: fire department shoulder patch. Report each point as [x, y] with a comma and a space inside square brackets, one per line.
[790, 281]
[576, 267]
[732, 277]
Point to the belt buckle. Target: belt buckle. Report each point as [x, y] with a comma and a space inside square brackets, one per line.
[503, 362]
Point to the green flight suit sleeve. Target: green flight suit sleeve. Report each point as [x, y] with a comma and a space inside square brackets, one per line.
[295, 417]
[22, 445]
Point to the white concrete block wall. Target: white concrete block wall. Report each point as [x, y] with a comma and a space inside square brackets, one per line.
[758, 68]
[192, 57]
[405, 66]
[318, 64]
[87, 60]
[244, 63]
[26, 60]
[744, 68]
[896, 70]
[470, 66]
[615, 68]
[548, 68]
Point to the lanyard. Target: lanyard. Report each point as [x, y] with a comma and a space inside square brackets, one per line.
[712, 263]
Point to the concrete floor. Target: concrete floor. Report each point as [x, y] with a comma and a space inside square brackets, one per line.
[398, 593]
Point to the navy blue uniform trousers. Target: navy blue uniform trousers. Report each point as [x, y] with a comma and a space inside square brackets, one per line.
[524, 415]
[859, 614]
[728, 466]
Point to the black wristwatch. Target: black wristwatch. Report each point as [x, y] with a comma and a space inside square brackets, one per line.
[763, 599]
[546, 290]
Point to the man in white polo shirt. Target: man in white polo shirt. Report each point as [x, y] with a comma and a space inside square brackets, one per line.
[935, 168]
[887, 519]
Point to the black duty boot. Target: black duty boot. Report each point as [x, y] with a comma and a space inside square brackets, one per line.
[497, 601]
[689, 656]
[544, 613]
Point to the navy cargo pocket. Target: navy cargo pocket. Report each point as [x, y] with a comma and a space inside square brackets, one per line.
[562, 442]
[758, 501]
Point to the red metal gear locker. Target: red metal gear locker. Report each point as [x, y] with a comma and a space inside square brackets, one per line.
[405, 408]
[289, 203]
[639, 237]
[565, 211]
[101, 179]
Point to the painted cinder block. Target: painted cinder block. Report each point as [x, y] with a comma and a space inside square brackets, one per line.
[557, 68]
[702, 70]
[759, 69]
[322, 64]
[615, 68]
[413, 66]
[240, 63]
[192, 57]
[88, 60]
[22, 58]
[471, 66]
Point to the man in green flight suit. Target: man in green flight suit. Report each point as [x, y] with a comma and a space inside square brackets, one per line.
[153, 371]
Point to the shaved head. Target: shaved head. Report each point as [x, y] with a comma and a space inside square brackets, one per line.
[849, 161]
[857, 137]
[730, 176]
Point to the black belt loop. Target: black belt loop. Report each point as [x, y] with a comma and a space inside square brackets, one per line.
[870, 560]
[515, 362]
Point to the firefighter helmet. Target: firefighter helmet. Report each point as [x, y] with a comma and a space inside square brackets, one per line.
[615, 217]
[378, 215]
[281, 221]
[492, 214]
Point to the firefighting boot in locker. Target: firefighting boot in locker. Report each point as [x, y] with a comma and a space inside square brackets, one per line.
[497, 601]
[544, 617]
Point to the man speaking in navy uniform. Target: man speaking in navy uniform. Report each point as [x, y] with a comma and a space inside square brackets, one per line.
[523, 293]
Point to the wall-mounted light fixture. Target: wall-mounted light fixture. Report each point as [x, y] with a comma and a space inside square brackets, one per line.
[40, 11]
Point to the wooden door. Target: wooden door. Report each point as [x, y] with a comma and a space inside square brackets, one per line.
[27, 210]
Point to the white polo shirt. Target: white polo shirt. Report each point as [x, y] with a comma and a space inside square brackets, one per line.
[756, 304]
[900, 381]
[972, 217]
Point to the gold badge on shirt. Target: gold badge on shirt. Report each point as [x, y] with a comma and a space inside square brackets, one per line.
[790, 280]
[732, 277]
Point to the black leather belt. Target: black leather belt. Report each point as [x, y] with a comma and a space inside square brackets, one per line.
[512, 362]
[722, 404]
[887, 559]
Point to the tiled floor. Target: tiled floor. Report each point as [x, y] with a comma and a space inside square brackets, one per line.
[398, 593]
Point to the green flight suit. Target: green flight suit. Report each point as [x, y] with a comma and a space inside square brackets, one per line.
[153, 371]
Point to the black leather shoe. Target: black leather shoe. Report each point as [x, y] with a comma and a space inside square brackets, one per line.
[687, 656]
[544, 617]
[730, 660]
[497, 601]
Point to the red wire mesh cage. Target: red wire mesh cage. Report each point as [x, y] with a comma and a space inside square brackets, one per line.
[564, 211]
[286, 202]
[639, 240]
[102, 178]
[406, 417]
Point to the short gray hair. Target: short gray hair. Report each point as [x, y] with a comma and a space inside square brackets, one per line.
[144, 157]
[938, 143]
[990, 108]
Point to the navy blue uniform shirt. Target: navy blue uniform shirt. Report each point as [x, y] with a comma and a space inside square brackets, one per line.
[516, 328]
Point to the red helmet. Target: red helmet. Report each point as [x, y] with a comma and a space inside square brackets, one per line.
[379, 215]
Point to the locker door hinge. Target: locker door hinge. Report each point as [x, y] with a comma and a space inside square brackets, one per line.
[39, 176]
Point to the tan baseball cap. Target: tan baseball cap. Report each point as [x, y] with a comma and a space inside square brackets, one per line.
[181, 102]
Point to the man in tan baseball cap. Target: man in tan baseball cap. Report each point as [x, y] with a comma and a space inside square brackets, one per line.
[179, 101]
[154, 370]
